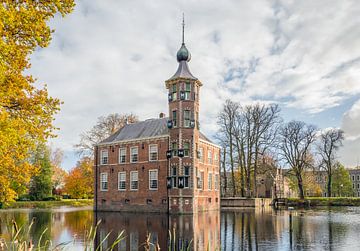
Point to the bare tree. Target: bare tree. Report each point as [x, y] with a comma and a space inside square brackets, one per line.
[296, 139]
[329, 142]
[104, 127]
[226, 121]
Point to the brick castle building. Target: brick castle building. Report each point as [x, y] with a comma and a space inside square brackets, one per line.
[163, 164]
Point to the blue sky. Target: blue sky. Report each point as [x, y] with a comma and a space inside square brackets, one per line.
[114, 56]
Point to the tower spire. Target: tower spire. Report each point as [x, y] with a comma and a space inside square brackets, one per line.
[183, 29]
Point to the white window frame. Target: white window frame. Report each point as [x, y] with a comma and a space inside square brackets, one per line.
[131, 181]
[187, 92]
[104, 179]
[157, 179]
[201, 154]
[120, 149]
[210, 181]
[216, 185]
[209, 157]
[150, 152]
[187, 119]
[102, 157]
[131, 154]
[119, 180]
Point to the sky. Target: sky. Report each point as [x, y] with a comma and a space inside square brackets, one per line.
[113, 56]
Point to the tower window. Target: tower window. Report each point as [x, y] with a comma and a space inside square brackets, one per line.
[216, 182]
[187, 91]
[209, 157]
[174, 148]
[201, 154]
[186, 147]
[174, 118]
[173, 178]
[187, 177]
[174, 92]
[187, 118]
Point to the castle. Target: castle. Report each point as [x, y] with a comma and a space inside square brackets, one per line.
[164, 164]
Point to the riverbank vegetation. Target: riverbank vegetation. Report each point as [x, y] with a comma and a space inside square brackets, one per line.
[323, 201]
[49, 204]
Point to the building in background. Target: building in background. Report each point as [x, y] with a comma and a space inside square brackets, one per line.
[164, 164]
[355, 179]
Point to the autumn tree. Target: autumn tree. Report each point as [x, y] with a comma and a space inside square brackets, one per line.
[79, 183]
[330, 141]
[104, 127]
[26, 112]
[295, 141]
[41, 184]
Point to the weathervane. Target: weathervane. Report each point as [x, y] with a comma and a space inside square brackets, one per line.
[183, 27]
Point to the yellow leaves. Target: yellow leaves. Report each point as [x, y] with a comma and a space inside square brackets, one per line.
[26, 113]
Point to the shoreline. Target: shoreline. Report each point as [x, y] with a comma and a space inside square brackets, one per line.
[48, 204]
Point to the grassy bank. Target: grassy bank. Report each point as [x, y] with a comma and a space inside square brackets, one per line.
[320, 201]
[49, 204]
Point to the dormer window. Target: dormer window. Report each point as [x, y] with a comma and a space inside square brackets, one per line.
[104, 157]
[174, 92]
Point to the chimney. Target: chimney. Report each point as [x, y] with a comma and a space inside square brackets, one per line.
[162, 115]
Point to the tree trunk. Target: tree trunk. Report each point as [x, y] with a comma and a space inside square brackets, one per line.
[300, 186]
[329, 184]
[224, 170]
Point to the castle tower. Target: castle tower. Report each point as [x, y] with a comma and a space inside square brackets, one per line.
[184, 170]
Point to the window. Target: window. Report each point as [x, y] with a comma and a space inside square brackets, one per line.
[173, 178]
[216, 157]
[201, 154]
[210, 181]
[174, 148]
[153, 152]
[187, 91]
[358, 186]
[187, 117]
[216, 182]
[104, 157]
[174, 118]
[209, 157]
[186, 147]
[187, 176]
[134, 154]
[201, 180]
[353, 177]
[153, 179]
[134, 180]
[173, 91]
[358, 177]
[353, 186]
[122, 181]
[103, 181]
[122, 155]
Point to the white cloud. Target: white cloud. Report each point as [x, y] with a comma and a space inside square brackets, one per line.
[113, 56]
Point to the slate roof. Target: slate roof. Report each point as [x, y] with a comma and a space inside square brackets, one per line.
[143, 129]
[183, 71]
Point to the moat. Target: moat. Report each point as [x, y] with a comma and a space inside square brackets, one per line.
[245, 229]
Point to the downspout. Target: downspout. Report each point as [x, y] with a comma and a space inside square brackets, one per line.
[96, 179]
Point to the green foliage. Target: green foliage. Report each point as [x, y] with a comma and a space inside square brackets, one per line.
[341, 184]
[49, 204]
[41, 183]
[324, 201]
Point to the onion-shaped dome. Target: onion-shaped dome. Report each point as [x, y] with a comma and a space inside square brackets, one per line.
[183, 54]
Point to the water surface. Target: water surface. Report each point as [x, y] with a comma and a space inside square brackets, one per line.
[246, 229]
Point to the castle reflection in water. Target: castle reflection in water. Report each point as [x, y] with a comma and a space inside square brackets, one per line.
[191, 232]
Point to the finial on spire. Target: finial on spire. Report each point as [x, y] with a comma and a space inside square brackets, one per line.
[183, 28]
